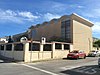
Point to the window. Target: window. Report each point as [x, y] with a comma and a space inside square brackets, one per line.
[9, 47]
[47, 47]
[35, 47]
[66, 47]
[65, 30]
[18, 47]
[58, 46]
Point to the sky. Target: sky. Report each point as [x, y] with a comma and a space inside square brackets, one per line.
[16, 16]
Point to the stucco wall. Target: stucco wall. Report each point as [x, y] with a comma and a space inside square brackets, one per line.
[37, 55]
[50, 29]
[8, 54]
[82, 36]
[60, 53]
[16, 55]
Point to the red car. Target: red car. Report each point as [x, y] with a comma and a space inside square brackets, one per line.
[76, 54]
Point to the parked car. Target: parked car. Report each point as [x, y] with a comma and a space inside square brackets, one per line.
[76, 54]
[94, 53]
[99, 62]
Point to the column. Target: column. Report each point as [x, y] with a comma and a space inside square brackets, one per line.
[53, 50]
[13, 50]
[27, 57]
[62, 46]
[4, 50]
[71, 47]
[41, 47]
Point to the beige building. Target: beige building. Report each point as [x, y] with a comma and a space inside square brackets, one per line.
[71, 28]
[73, 31]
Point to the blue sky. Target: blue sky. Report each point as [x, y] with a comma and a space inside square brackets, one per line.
[16, 16]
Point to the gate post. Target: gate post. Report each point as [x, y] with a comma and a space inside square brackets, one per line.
[53, 49]
[26, 52]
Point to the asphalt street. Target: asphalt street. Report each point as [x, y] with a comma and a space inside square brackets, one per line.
[86, 66]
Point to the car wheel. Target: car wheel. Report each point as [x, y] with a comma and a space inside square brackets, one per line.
[77, 58]
[84, 57]
[99, 66]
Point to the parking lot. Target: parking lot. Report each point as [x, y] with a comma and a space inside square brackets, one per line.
[86, 66]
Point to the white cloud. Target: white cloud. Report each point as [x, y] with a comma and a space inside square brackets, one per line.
[28, 15]
[49, 16]
[16, 16]
[79, 6]
[96, 27]
[94, 13]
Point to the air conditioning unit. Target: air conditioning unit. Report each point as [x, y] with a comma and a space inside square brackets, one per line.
[23, 40]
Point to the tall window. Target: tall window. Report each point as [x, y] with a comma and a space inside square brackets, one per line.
[65, 30]
[33, 33]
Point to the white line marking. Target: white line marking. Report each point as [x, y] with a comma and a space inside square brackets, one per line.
[75, 66]
[39, 69]
[69, 67]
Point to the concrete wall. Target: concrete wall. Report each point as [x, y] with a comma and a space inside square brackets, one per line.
[44, 55]
[19, 55]
[60, 53]
[28, 56]
[48, 29]
[40, 55]
[16, 55]
[82, 37]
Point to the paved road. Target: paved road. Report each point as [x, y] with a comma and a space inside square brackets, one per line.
[86, 66]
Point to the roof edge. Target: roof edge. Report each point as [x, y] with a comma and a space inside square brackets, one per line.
[74, 14]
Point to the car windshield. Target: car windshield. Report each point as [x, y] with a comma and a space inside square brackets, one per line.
[92, 51]
[74, 52]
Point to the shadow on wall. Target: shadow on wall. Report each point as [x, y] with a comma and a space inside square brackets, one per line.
[84, 70]
[5, 59]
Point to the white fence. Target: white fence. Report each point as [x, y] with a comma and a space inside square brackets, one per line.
[10, 51]
[35, 51]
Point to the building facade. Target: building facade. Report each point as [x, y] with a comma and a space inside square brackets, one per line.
[71, 28]
[4, 40]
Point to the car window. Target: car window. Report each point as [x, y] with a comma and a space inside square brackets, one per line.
[80, 52]
[92, 51]
[96, 51]
[74, 52]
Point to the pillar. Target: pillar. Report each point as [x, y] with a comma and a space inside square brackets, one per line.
[27, 57]
[13, 50]
[53, 50]
[41, 47]
[71, 47]
[62, 46]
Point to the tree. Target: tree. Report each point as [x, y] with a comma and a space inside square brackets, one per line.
[96, 43]
[10, 39]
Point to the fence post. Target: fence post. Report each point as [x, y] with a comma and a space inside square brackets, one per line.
[13, 51]
[41, 47]
[4, 50]
[40, 54]
[26, 52]
[62, 46]
[53, 50]
[71, 47]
